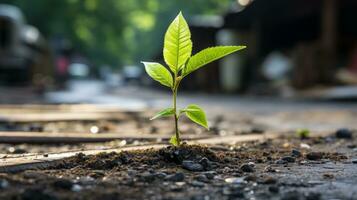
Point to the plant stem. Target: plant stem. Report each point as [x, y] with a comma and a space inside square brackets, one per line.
[177, 134]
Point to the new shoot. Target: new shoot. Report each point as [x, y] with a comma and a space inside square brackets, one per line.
[177, 55]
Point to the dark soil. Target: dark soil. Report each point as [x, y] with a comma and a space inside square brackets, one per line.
[285, 168]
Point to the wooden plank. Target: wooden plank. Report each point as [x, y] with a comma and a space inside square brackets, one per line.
[70, 138]
[38, 161]
[62, 108]
[14, 112]
[234, 139]
[58, 116]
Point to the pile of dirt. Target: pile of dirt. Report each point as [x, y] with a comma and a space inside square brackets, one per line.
[170, 156]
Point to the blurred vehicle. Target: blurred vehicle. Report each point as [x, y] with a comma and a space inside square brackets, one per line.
[79, 70]
[24, 54]
[132, 74]
[111, 78]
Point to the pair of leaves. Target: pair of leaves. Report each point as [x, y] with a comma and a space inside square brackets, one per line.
[177, 54]
[177, 50]
[193, 112]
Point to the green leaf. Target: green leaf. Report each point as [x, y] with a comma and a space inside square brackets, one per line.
[177, 44]
[164, 113]
[208, 55]
[196, 114]
[174, 141]
[159, 73]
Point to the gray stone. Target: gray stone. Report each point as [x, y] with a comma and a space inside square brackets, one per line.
[202, 178]
[314, 156]
[247, 168]
[344, 133]
[296, 153]
[192, 166]
[207, 165]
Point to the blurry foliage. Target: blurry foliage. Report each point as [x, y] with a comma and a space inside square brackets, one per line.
[303, 133]
[114, 32]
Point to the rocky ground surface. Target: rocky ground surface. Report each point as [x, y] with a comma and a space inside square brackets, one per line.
[283, 168]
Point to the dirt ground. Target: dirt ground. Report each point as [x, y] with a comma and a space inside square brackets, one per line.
[284, 168]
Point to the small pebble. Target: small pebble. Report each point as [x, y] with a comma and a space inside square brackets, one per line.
[295, 153]
[97, 174]
[314, 156]
[270, 169]
[328, 176]
[160, 175]
[76, 188]
[235, 180]
[206, 163]
[210, 175]
[252, 164]
[305, 146]
[94, 129]
[344, 133]
[247, 168]
[16, 150]
[192, 166]
[4, 184]
[202, 178]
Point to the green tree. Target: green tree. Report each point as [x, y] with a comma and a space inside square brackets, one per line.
[114, 32]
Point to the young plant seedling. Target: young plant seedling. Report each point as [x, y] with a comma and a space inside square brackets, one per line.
[177, 54]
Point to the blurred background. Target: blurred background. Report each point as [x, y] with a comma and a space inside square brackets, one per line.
[89, 51]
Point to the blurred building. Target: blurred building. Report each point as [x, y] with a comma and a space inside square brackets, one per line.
[24, 54]
[305, 43]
